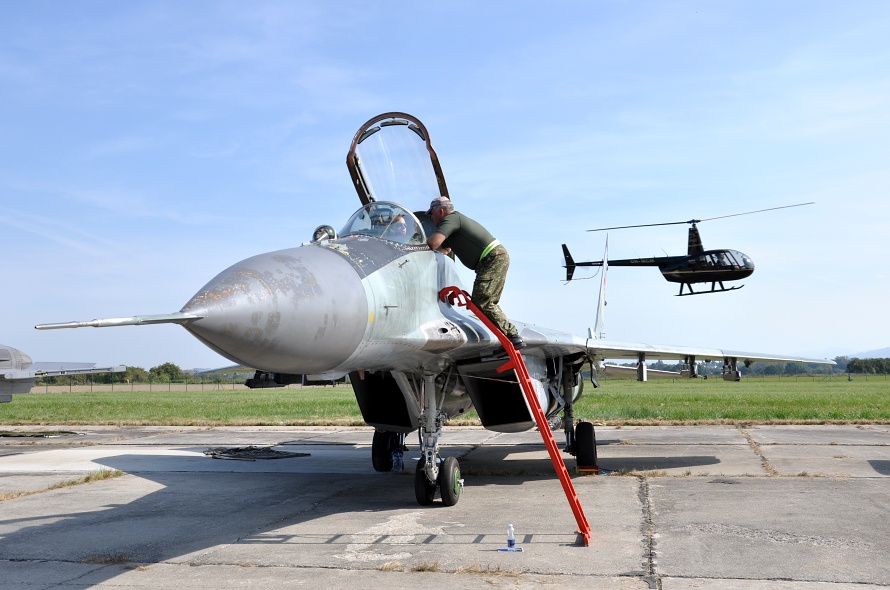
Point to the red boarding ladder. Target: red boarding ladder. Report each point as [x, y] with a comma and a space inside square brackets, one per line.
[455, 295]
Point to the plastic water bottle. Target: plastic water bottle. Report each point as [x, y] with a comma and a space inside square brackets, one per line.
[398, 461]
[511, 537]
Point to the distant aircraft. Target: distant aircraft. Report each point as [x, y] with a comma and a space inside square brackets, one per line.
[364, 301]
[18, 373]
[697, 266]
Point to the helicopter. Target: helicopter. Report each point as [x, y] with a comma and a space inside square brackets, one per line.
[697, 266]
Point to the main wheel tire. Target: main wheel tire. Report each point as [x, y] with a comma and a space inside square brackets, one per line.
[424, 489]
[585, 445]
[382, 446]
[449, 481]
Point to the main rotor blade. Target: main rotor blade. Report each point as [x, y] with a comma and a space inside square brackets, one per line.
[758, 211]
[644, 225]
[692, 221]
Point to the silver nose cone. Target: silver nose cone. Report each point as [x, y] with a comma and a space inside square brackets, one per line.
[301, 310]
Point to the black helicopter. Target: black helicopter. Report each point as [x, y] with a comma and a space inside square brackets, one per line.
[698, 266]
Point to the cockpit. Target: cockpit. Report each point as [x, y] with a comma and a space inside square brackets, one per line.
[386, 220]
[725, 259]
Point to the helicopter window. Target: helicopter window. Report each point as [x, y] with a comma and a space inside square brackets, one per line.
[388, 221]
[727, 259]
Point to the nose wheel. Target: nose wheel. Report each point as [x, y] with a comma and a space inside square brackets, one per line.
[424, 489]
[448, 482]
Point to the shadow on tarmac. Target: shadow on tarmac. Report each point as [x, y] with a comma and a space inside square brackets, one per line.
[534, 462]
[880, 466]
[180, 512]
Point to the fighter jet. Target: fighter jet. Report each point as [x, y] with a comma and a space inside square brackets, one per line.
[364, 301]
[18, 373]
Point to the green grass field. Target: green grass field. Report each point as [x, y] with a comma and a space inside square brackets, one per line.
[781, 400]
[756, 401]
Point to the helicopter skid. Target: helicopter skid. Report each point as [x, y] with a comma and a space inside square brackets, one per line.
[713, 289]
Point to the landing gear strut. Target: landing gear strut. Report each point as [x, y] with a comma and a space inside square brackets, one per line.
[430, 475]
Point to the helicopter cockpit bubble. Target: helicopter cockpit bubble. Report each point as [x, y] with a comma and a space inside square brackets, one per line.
[388, 221]
[741, 259]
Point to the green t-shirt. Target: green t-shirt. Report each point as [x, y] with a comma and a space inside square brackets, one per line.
[466, 238]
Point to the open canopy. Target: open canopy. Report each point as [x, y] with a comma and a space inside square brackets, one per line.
[391, 159]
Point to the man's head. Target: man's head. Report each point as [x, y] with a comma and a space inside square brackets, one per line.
[439, 209]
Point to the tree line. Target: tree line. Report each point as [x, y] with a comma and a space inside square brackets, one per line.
[844, 365]
[869, 366]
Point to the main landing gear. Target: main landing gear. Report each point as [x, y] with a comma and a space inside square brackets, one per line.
[581, 442]
[585, 448]
[382, 447]
[580, 437]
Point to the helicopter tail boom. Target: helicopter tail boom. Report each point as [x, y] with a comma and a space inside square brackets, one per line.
[571, 265]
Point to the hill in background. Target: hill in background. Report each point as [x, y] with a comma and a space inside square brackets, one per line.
[880, 353]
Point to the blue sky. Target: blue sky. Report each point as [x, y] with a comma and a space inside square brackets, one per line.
[146, 146]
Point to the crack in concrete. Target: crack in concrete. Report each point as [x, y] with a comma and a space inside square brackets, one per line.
[767, 466]
[649, 564]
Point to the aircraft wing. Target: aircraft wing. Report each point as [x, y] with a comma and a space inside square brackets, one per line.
[607, 349]
[555, 343]
[46, 369]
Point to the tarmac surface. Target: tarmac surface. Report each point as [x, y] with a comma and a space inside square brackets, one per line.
[757, 507]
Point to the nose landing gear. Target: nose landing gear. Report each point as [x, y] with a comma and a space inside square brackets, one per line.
[432, 472]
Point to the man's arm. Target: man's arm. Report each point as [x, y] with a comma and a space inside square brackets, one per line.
[435, 242]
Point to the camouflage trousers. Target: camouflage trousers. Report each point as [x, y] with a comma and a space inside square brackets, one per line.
[491, 274]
